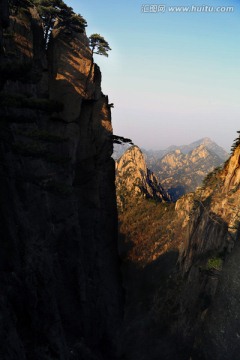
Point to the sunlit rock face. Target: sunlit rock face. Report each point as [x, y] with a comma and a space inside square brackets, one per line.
[180, 266]
[135, 180]
[181, 173]
[209, 255]
[60, 286]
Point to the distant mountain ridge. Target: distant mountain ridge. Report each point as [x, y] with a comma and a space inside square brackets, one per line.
[153, 155]
[181, 173]
[181, 169]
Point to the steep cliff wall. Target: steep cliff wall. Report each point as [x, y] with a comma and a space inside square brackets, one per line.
[187, 308]
[209, 259]
[59, 273]
[214, 213]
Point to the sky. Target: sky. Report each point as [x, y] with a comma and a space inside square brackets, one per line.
[173, 76]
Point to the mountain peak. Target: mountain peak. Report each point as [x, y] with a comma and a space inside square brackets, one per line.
[206, 140]
[210, 145]
[134, 149]
[135, 180]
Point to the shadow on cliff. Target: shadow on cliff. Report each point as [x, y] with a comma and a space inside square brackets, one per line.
[61, 290]
[150, 308]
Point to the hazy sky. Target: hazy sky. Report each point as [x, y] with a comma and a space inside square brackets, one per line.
[173, 77]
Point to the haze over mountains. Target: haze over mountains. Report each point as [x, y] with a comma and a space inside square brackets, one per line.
[182, 173]
[181, 169]
[185, 149]
[153, 155]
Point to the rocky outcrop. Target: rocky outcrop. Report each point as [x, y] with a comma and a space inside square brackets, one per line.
[60, 286]
[134, 180]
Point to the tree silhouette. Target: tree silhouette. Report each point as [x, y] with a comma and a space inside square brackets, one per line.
[236, 143]
[51, 11]
[121, 140]
[99, 45]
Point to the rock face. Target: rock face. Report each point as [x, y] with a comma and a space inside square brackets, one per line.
[60, 286]
[218, 203]
[187, 308]
[134, 179]
[181, 173]
[209, 258]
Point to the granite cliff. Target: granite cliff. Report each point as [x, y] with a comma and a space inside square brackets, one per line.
[60, 284]
[208, 257]
[180, 272]
[134, 180]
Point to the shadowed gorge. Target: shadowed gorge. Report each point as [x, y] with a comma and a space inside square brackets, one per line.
[133, 259]
[179, 271]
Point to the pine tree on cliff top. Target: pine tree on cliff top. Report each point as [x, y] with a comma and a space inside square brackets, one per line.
[99, 45]
[51, 11]
[236, 143]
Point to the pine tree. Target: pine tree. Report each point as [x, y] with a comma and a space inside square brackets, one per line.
[51, 11]
[236, 143]
[99, 45]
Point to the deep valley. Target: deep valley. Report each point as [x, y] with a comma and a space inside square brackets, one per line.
[135, 258]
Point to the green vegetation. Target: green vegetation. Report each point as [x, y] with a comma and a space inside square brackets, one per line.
[20, 101]
[212, 178]
[99, 45]
[214, 263]
[121, 140]
[16, 5]
[57, 11]
[51, 11]
[236, 143]
[148, 225]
